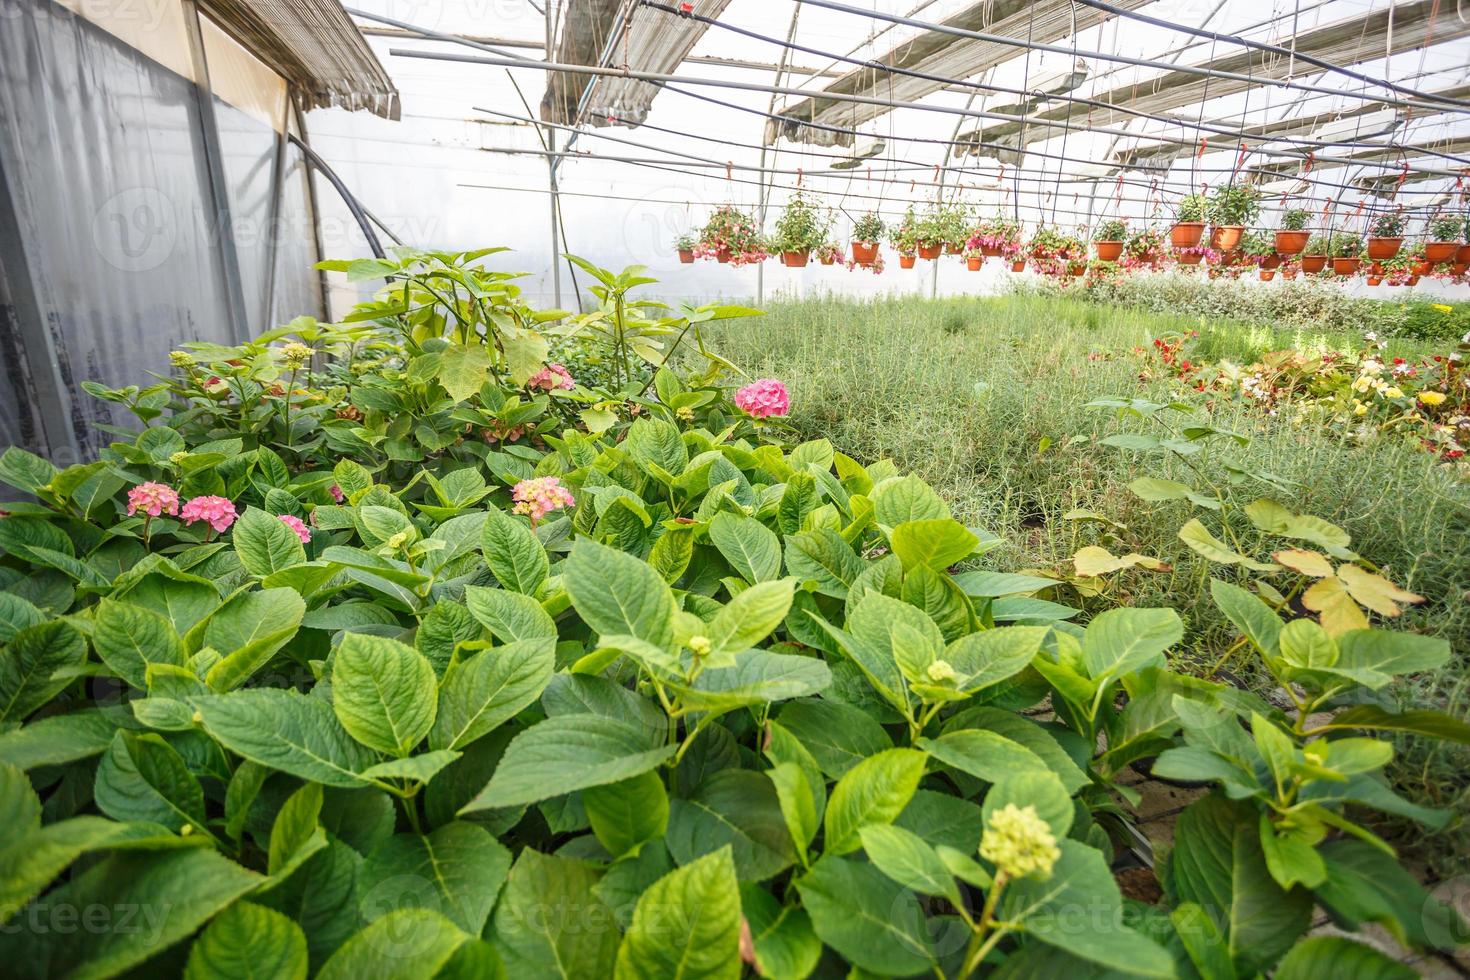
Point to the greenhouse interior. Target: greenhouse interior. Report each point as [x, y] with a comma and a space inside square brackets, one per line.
[775, 439]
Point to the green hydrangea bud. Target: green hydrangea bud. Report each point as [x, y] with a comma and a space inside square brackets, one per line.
[1019, 843]
[180, 358]
[941, 671]
[699, 646]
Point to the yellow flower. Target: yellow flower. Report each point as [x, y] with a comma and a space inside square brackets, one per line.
[295, 355]
[941, 671]
[1432, 398]
[1359, 408]
[1362, 384]
[1444, 309]
[1019, 843]
[699, 646]
[685, 413]
[1394, 392]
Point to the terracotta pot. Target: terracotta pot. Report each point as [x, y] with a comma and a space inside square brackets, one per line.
[1440, 251]
[1462, 254]
[1292, 242]
[1270, 261]
[1150, 259]
[1267, 274]
[723, 255]
[1459, 268]
[1288, 273]
[930, 251]
[795, 259]
[906, 261]
[1186, 234]
[1383, 248]
[1190, 258]
[950, 248]
[1225, 237]
[1413, 280]
[1422, 268]
[1314, 263]
[1346, 267]
[1109, 251]
[863, 253]
[989, 251]
[686, 256]
[1374, 280]
[1076, 268]
[1018, 266]
[974, 262]
[828, 259]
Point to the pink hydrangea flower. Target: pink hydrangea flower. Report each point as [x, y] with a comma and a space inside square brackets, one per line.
[336, 493]
[218, 512]
[153, 499]
[553, 377]
[763, 398]
[294, 523]
[539, 497]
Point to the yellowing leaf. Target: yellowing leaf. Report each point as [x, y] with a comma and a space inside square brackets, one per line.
[1093, 560]
[1310, 563]
[1202, 542]
[1339, 613]
[1375, 591]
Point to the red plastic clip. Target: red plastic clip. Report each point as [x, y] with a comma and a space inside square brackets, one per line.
[1203, 142]
[729, 168]
[798, 176]
[1311, 161]
[686, 8]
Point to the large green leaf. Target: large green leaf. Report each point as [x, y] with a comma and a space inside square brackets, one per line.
[287, 731]
[264, 544]
[616, 594]
[27, 667]
[750, 616]
[153, 900]
[786, 947]
[874, 791]
[248, 630]
[516, 558]
[986, 658]
[629, 813]
[821, 557]
[1122, 641]
[737, 808]
[128, 638]
[983, 754]
[909, 860]
[750, 547]
[550, 922]
[1366, 885]
[321, 896]
[456, 870]
[16, 614]
[1218, 864]
[1255, 620]
[838, 735]
[657, 446]
[509, 616]
[686, 925]
[567, 753]
[142, 778]
[936, 544]
[248, 942]
[758, 677]
[1336, 957]
[906, 498]
[383, 692]
[1374, 657]
[297, 833]
[874, 922]
[408, 944]
[463, 368]
[486, 690]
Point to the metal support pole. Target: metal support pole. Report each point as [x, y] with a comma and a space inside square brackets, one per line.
[273, 227]
[223, 226]
[551, 160]
[765, 189]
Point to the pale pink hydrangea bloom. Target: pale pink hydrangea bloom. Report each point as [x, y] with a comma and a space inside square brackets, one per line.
[294, 523]
[763, 398]
[336, 493]
[539, 497]
[553, 377]
[153, 499]
[218, 512]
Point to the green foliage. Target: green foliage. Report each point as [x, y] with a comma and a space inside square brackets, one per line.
[1234, 204]
[1112, 230]
[1192, 208]
[1295, 219]
[728, 697]
[800, 228]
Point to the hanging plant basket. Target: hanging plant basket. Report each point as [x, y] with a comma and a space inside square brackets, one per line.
[906, 261]
[974, 262]
[1314, 263]
[1223, 238]
[1190, 257]
[1437, 252]
[1346, 266]
[1018, 266]
[795, 260]
[1292, 242]
[863, 253]
[930, 252]
[1267, 274]
[1186, 234]
[1269, 262]
[1109, 251]
[1374, 280]
[1380, 248]
[1462, 254]
[1288, 273]
[723, 256]
[686, 256]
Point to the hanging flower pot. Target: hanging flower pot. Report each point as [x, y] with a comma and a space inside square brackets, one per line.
[1018, 266]
[723, 256]
[863, 253]
[974, 262]
[1346, 266]
[686, 256]
[1380, 248]
[1186, 234]
[1223, 238]
[1270, 261]
[953, 248]
[1462, 254]
[1422, 268]
[1109, 251]
[1191, 257]
[906, 261]
[1288, 273]
[1267, 274]
[1459, 268]
[989, 251]
[1292, 242]
[1413, 280]
[1076, 267]
[827, 258]
[1314, 263]
[1437, 252]
[930, 252]
[1374, 280]
[795, 260]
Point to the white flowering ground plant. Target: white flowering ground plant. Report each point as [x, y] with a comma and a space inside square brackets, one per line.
[674, 696]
